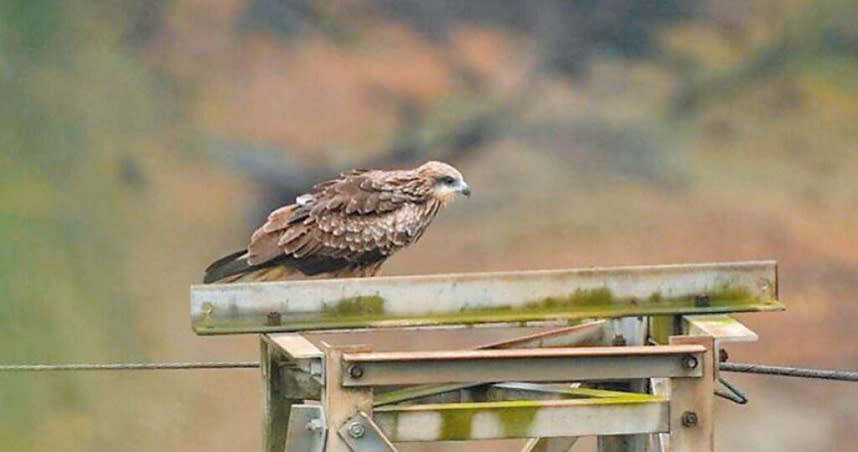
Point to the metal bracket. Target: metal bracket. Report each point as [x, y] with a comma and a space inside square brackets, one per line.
[362, 435]
[307, 429]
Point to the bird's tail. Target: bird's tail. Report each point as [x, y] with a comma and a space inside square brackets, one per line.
[235, 268]
[227, 268]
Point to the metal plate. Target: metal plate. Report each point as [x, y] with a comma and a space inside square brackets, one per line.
[523, 419]
[307, 431]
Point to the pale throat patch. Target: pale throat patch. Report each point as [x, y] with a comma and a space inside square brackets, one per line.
[445, 193]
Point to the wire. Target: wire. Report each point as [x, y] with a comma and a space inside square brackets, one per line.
[799, 372]
[130, 366]
[824, 374]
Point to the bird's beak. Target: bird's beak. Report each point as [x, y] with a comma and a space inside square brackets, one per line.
[465, 189]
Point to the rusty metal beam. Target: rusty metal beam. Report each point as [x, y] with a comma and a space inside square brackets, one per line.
[536, 365]
[523, 419]
[484, 298]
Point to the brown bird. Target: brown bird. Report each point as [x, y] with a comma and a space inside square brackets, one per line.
[345, 227]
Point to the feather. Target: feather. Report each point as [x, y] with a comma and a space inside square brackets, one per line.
[343, 227]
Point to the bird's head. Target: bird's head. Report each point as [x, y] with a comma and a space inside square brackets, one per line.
[447, 181]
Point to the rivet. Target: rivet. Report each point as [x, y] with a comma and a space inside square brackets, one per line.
[689, 362]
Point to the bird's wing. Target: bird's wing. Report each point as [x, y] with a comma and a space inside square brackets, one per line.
[358, 219]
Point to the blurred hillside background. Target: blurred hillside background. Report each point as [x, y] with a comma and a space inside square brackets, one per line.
[139, 140]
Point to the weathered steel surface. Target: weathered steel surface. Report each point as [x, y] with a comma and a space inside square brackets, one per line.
[307, 430]
[564, 352]
[722, 327]
[549, 444]
[363, 435]
[275, 404]
[341, 403]
[553, 364]
[484, 297]
[295, 346]
[585, 333]
[531, 391]
[523, 419]
[692, 403]
[625, 331]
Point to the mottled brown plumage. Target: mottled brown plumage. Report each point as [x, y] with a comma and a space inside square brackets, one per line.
[346, 227]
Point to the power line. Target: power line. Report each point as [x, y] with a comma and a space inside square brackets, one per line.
[130, 366]
[798, 372]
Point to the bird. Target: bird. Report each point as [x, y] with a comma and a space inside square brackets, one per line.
[345, 227]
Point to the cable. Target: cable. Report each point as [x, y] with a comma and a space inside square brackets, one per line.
[130, 366]
[799, 372]
[824, 374]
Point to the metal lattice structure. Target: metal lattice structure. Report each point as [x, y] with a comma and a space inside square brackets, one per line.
[626, 354]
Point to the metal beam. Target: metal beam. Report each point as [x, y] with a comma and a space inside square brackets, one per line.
[523, 419]
[536, 365]
[721, 327]
[585, 333]
[531, 391]
[484, 298]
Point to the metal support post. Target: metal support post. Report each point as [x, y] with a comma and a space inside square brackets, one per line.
[340, 403]
[692, 401]
[620, 332]
[276, 406]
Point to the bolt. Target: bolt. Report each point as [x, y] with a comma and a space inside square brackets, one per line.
[701, 300]
[355, 371]
[619, 340]
[208, 308]
[356, 429]
[723, 356]
[765, 286]
[689, 419]
[689, 362]
[314, 425]
[273, 318]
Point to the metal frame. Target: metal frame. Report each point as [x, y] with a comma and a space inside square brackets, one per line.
[546, 385]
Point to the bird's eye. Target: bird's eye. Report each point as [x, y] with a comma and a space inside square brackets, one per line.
[448, 180]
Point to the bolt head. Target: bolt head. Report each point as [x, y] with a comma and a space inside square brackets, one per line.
[701, 300]
[356, 430]
[689, 419]
[689, 362]
[355, 371]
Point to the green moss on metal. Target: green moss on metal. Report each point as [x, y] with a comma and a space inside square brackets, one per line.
[369, 311]
[515, 417]
[662, 327]
[456, 424]
[516, 422]
[355, 306]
